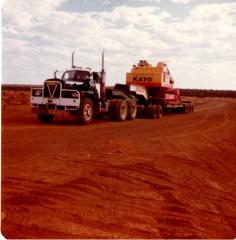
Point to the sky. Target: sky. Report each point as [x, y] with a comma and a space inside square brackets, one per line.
[197, 39]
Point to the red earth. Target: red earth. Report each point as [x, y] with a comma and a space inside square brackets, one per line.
[168, 178]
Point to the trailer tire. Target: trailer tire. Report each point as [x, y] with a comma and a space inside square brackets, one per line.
[185, 108]
[132, 110]
[152, 111]
[192, 107]
[45, 118]
[189, 107]
[86, 112]
[159, 111]
[121, 110]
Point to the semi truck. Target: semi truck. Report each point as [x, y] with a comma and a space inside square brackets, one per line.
[82, 93]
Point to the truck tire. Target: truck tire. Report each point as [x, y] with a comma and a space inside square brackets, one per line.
[112, 107]
[185, 108]
[121, 110]
[189, 107]
[159, 111]
[192, 107]
[46, 118]
[152, 111]
[86, 112]
[132, 110]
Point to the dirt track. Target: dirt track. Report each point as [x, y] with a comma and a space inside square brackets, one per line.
[167, 178]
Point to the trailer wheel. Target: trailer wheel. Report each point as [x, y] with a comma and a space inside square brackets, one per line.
[86, 112]
[192, 107]
[121, 110]
[159, 111]
[152, 111]
[132, 110]
[189, 107]
[46, 118]
[185, 108]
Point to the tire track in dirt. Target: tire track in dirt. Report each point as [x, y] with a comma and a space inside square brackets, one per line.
[92, 188]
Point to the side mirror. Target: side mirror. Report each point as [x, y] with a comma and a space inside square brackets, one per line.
[96, 77]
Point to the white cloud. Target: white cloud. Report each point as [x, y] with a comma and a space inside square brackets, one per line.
[181, 1]
[106, 2]
[146, 1]
[25, 13]
[200, 44]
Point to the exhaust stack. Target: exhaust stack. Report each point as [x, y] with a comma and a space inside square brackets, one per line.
[55, 74]
[72, 60]
[103, 80]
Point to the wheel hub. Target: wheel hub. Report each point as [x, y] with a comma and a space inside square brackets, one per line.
[88, 112]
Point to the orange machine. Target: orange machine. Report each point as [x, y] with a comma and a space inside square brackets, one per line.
[159, 85]
[150, 76]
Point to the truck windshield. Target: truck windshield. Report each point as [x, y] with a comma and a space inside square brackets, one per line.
[76, 75]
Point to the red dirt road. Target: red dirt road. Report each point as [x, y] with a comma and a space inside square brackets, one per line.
[167, 178]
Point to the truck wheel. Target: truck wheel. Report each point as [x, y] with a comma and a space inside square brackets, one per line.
[159, 111]
[132, 110]
[46, 118]
[86, 112]
[112, 107]
[152, 111]
[121, 110]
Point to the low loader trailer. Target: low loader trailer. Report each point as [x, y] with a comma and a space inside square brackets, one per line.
[161, 96]
[152, 87]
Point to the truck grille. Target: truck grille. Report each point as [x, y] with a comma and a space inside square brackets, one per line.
[52, 89]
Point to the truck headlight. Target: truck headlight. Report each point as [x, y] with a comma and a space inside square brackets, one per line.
[37, 92]
[74, 94]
